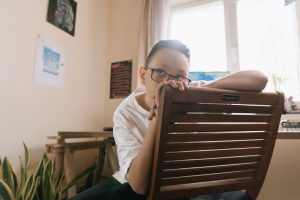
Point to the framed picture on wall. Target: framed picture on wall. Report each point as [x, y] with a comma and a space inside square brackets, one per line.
[62, 14]
[50, 63]
[120, 79]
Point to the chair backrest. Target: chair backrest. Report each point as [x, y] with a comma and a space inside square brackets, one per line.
[212, 140]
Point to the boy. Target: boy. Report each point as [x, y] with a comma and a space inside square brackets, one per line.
[135, 119]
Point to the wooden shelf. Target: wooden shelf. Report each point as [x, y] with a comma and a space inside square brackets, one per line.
[288, 135]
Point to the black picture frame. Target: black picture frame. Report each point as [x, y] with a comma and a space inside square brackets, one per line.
[62, 14]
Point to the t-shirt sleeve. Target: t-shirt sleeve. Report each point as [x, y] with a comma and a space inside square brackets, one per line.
[127, 143]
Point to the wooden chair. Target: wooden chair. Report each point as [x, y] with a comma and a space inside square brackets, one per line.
[212, 140]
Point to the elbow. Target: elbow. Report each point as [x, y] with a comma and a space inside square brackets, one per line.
[141, 190]
[137, 187]
[262, 80]
[257, 80]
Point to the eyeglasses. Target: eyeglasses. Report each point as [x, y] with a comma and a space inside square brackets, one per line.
[160, 75]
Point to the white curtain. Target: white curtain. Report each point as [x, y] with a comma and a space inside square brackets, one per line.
[153, 27]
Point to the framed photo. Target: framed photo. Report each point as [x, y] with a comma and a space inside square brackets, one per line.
[49, 63]
[62, 14]
[120, 79]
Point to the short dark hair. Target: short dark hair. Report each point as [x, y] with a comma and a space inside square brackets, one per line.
[168, 44]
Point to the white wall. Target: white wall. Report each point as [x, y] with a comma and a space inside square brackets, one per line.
[30, 112]
[124, 26]
[106, 31]
[283, 177]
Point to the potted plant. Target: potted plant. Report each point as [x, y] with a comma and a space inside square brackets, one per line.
[42, 184]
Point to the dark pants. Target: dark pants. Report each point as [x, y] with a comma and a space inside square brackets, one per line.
[111, 189]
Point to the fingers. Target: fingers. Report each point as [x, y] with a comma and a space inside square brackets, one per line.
[178, 84]
[153, 111]
[158, 91]
[182, 85]
[173, 83]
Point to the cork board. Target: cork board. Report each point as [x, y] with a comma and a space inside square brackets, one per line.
[120, 79]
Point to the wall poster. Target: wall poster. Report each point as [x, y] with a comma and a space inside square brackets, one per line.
[120, 79]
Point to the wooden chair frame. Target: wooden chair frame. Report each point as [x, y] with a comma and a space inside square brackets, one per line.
[64, 152]
[211, 140]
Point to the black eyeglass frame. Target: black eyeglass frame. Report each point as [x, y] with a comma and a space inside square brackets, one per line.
[169, 75]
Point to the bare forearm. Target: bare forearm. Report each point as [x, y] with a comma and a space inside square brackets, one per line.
[139, 172]
[249, 80]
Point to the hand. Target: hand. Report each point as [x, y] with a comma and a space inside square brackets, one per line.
[173, 83]
[199, 83]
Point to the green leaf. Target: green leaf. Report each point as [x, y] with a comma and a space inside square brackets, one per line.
[28, 187]
[40, 169]
[58, 196]
[27, 155]
[5, 191]
[83, 174]
[52, 188]
[45, 158]
[40, 173]
[57, 177]
[1, 174]
[15, 182]
[8, 175]
[47, 187]
[58, 187]
[33, 192]
[22, 180]
[48, 168]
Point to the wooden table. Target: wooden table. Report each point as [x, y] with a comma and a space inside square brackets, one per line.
[64, 150]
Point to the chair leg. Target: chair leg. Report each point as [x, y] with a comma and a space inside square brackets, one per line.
[70, 171]
[58, 163]
[100, 162]
[112, 160]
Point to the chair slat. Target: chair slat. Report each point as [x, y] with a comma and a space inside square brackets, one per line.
[194, 189]
[216, 127]
[212, 140]
[195, 95]
[208, 177]
[207, 145]
[214, 136]
[182, 155]
[208, 170]
[220, 108]
[210, 161]
[196, 117]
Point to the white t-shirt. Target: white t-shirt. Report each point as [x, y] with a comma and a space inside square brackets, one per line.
[130, 126]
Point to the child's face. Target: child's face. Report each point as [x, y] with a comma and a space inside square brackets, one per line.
[171, 61]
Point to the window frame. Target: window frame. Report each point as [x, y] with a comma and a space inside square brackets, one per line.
[231, 28]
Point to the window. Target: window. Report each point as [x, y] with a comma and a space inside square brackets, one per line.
[268, 42]
[205, 38]
[242, 34]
